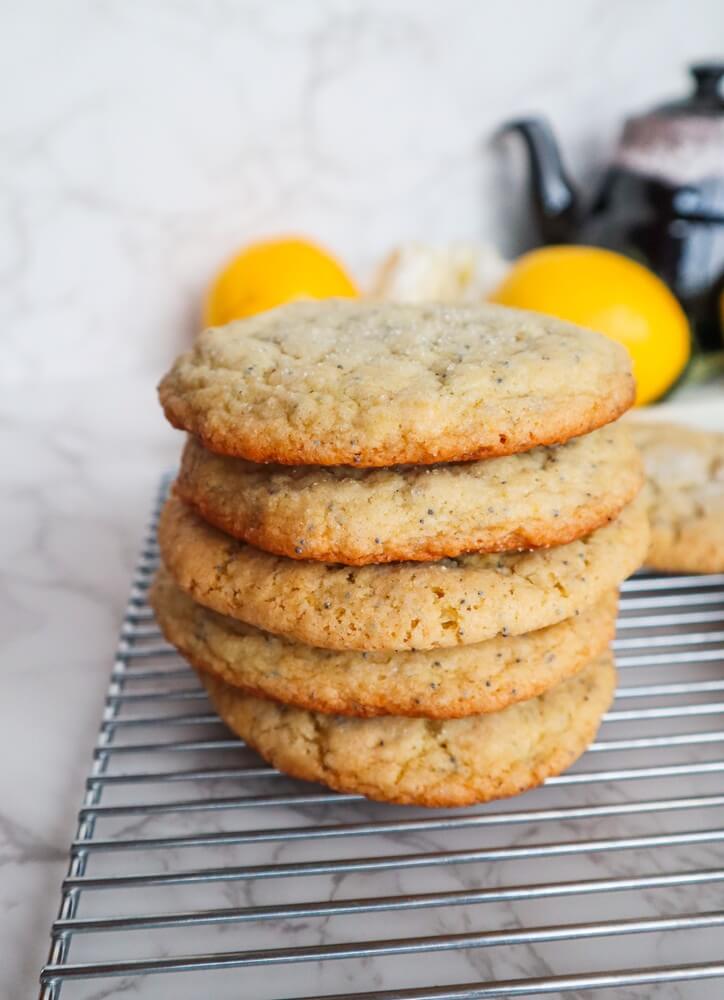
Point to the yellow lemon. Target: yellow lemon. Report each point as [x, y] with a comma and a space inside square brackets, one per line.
[612, 294]
[269, 273]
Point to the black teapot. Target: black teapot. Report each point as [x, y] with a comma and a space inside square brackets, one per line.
[661, 200]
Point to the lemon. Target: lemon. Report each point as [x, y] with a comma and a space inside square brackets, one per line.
[270, 273]
[612, 294]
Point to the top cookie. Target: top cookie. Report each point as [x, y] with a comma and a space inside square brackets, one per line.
[685, 497]
[360, 383]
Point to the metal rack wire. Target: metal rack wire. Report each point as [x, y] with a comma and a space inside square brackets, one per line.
[193, 859]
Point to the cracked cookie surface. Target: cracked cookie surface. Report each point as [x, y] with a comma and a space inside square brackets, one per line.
[685, 496]
[344, 382]
[547, 496]
[427, 762]
[399, 605]
[442, 683]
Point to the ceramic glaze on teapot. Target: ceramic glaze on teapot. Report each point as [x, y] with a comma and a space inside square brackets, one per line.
[661, 199]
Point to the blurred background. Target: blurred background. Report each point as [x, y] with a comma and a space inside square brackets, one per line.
[148, 143]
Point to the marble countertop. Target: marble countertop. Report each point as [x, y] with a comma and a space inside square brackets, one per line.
[80, 462]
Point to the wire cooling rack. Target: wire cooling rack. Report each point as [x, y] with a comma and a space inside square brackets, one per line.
[198, 871]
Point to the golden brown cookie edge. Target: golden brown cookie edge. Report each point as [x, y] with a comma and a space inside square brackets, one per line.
[455, 795]
[602, 631]
[562, 421]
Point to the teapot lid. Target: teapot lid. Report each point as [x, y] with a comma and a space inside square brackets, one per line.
[681, 142]
[706, 97]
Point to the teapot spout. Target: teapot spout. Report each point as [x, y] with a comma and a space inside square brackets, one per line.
[554, 197]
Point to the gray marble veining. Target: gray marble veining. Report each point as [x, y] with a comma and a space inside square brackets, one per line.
[152, 140]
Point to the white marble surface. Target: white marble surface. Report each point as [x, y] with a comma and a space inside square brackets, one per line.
[151, 140]
[80, 462]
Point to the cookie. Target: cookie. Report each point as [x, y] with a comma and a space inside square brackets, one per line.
[398, 605]
[454, 762]
[547, 496]
[443, 683]
[685, 497]
[344, 382]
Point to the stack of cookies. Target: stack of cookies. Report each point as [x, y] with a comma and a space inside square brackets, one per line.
[393, 548]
